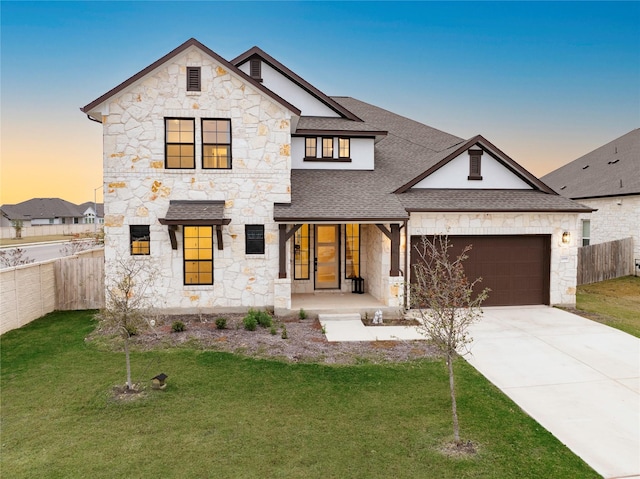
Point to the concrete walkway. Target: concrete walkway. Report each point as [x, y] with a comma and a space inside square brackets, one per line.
[579, 379]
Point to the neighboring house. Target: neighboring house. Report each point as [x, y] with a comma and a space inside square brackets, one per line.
[10, 214]
[51, 211]
[92, 212]
[243, 185]
[607, 180]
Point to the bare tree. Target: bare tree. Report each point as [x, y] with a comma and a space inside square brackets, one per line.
[128, 308]
[447, 304]
[82, 242]
[14, 257]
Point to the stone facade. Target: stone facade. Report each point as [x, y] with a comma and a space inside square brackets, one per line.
[138, 188]
[563, 257]
[616, 218]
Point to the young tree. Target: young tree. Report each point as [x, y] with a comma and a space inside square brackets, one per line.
[447, 304]
[128, 309]
[17, 225]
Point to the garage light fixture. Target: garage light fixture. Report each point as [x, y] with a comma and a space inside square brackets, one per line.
[566, 237]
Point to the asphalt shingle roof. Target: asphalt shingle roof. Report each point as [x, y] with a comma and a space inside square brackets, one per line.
[43, 208]
[185, 211]
[409, 149]
[487, 200]
[611, 170]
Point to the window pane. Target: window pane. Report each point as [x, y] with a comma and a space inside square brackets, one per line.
[327, 147]
[343, 147]
[198, 255]
[310, 147]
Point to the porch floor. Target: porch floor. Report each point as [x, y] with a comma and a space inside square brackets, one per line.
[339, 302]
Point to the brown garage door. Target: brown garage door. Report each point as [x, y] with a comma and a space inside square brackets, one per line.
[516, 268]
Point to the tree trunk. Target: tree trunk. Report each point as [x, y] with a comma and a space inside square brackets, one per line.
[126, 353]
[454, 407]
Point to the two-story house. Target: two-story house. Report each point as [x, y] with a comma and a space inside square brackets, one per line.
[243, 185]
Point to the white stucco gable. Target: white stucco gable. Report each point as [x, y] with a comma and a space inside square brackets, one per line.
[284, 87]
[475, 164]
[455, 174]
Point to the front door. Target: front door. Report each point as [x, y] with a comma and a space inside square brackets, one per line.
[327, 258]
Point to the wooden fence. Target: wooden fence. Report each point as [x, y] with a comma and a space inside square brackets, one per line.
[30, 291]
[79, 283]
[598, 262]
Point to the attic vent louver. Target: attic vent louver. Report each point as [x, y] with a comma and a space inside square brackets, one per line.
[613, 162]
[193, 78]
[585, 167]
[563, 187]
[255, 69]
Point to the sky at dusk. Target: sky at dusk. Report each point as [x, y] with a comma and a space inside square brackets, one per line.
[546, 82]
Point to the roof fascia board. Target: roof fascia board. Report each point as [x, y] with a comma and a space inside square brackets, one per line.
[355, 133]
[297, 79]
[495, 153]
[175, 52]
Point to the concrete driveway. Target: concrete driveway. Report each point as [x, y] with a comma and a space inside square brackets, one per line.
[577, 378]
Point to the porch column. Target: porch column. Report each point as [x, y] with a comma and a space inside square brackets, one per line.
[394, 236]
[395, 250]
[283, 237]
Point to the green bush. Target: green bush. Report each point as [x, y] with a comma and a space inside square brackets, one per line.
[273, 330]
[178, 326]
[261, 317]
[284, 334]
[302, 314]
[221, 323]
[250, 322]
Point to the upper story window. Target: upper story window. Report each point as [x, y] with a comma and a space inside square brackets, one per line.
[344, 147]
[254, 239]
[140, 239]
[327, 148]
[179, 143]
[193, 79]
[216, 144]
[310, 147]
[475, 157]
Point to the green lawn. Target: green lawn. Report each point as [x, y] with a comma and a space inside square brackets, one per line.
[227, 416]
[615, 302]
[33, 239]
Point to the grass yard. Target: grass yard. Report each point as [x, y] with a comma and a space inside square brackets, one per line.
[232, 417]
[33, 239]
[615, 302]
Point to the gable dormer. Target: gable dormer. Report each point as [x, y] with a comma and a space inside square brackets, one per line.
[475, 164]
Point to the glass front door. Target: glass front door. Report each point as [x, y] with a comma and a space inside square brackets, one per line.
[327, 258]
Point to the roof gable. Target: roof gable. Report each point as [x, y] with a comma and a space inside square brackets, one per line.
[479, 142]
[174, 53]
[610, 170]
[256, 52]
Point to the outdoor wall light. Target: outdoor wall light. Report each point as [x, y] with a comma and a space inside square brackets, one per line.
[566, 237]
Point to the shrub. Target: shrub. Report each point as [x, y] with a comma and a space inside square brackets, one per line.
[284, 334]
[250, 322]
[178, 327]
[221, 323]
[302, 314]
[273, 330]
[261, 317]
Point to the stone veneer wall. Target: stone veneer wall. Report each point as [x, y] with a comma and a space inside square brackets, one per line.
[138, 188]
[617, 217]
[563, 258]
